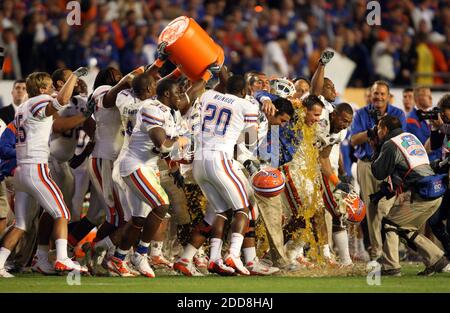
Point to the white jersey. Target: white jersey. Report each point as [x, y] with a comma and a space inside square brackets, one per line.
[223, 118]
[82, 141]
[128, 105]
[243, 153]
[33, 130]
[108, 133]
[140, 151]
[325, 138]
[63, 145]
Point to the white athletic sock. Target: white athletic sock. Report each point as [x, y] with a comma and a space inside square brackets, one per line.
[299, 251]
[189, 252]
[4, 254]
[105, 243]
[326, 251]
[156, 248]
[42, 252]
[249, 254]
[215, 249]
[340, 239]
[61, 249]
[236, 244]
[361, 247]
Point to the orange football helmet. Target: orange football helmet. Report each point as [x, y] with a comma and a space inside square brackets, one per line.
[350, 205]
[268, 182]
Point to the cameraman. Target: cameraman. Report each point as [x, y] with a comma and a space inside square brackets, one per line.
[439, 140]
[418, 120]
[404, 159]
[363, 131]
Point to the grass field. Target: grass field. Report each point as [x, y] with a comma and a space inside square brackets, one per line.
[409, 282]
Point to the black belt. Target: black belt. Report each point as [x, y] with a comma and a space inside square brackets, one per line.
[366, 159]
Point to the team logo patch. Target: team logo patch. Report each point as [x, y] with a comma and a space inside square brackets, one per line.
[412, 145]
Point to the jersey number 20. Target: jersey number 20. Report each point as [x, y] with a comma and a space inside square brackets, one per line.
[221, 122]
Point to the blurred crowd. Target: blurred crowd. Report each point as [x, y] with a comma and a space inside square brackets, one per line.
[280, 38]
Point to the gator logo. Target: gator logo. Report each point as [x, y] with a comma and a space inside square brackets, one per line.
[412, 145]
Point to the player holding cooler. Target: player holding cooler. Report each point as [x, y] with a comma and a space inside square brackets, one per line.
[224, 117]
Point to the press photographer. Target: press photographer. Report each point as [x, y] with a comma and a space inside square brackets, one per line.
[440, 135]
[404, 159]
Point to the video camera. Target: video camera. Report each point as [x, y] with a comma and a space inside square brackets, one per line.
[375, 114]
[429, 115]
[385, 191]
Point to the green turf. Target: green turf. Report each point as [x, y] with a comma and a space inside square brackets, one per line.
[409, 282]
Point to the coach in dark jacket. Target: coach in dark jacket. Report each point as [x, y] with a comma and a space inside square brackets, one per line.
[404, 159]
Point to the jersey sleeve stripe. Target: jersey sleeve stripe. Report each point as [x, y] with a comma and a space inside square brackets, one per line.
[35, 110]
[153, 117]
[38, 103]
[251, 115]
[151, 122]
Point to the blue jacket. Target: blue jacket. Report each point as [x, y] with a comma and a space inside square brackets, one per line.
[362, 121]
[422, 131]
[8, 161]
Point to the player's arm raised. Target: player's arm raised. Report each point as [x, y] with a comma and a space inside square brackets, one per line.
[317, 80]
[190, 95]
[110, 97]
[65, 93]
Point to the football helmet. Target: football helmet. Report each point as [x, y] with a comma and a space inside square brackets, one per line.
[282, 87]
[349, 205]
[268, 182]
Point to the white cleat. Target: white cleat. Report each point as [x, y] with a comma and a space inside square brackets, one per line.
[140, 263]
[67, 265]
[41, 265]
[4, 273]
[261, 268]
[304, 262]
[160, 262]
[220, 268]
[201, 261]
[186, 267]
[237, 264]
[117, 267]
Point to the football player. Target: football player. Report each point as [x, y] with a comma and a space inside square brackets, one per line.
[223, 118]
[155, 132]
[34, 184]
[63, 141]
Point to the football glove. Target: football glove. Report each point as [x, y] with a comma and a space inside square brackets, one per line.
[214, 68]
[346, 179]
[344, 187]
[81, 71]
[161, 51]
[90, 107]
[178, 179]
[252, 167]
[326, 57]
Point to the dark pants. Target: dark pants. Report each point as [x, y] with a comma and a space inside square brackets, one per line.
[439, 229]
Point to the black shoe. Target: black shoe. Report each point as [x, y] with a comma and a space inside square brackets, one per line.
[396, 272]
[437, 267]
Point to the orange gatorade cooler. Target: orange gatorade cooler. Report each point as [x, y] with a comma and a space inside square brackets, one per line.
[190, 47]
